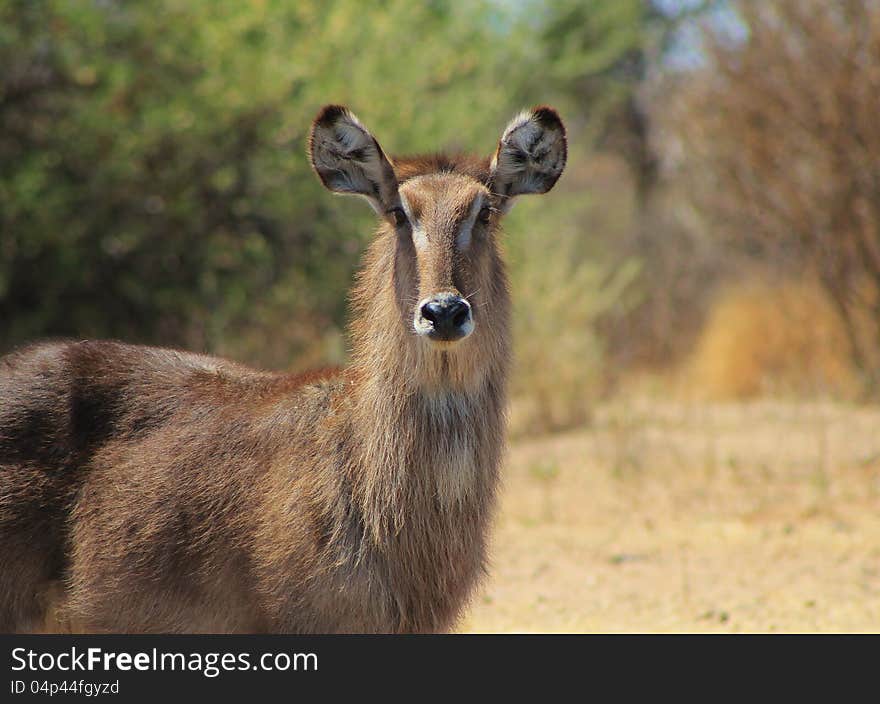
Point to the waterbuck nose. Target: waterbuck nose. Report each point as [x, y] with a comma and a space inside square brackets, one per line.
[446, 317]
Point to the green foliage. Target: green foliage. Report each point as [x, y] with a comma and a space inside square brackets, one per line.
[152, 159]
[562, 286]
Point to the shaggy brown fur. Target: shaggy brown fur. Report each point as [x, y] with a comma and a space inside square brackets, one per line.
[153, 490]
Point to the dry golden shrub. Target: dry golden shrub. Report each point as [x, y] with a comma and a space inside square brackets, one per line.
[763, 338]
[777, 147]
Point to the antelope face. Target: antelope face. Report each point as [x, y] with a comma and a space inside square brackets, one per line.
[449, 220]
[441, 214]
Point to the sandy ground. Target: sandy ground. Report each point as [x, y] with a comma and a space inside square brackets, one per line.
[759, 517]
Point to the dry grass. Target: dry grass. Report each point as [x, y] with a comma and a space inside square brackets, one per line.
[754, 517]
[782, 338]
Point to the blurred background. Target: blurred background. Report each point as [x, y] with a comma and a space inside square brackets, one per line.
[704, 281]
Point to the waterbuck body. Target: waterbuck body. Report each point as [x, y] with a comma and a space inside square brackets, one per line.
[153, 490]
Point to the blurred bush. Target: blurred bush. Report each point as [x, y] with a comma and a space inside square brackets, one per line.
[563, 284]
[153, 179]
[779, 144]
[772, 338]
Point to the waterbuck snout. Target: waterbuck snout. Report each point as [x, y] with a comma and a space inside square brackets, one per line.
[444, 317]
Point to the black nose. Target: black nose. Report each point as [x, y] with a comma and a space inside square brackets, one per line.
[448, 314]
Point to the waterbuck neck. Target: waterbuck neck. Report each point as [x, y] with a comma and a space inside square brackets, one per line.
[429, 423]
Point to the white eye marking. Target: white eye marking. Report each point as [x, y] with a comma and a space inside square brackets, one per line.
[463, 238]
[419, 236]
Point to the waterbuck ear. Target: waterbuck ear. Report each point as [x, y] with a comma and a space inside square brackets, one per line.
[348, 159]
[531, 154]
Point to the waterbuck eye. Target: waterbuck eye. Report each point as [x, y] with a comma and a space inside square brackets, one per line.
[485, 214]
[398, 216]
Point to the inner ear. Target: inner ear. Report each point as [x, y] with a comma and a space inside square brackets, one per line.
[348, 159]
[531, 153]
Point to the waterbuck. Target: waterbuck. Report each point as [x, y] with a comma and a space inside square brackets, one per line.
[154, 490]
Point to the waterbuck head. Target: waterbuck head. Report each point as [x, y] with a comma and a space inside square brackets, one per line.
[434, 290]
